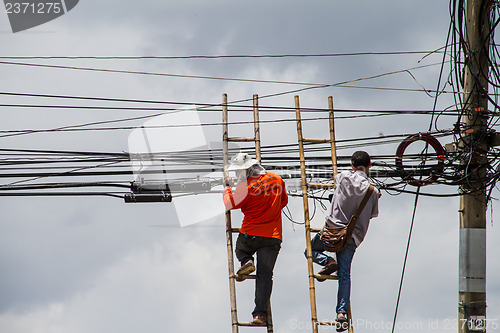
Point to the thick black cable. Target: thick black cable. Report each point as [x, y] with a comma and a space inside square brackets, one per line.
[405, 260]
[418, 188]
[63, 194]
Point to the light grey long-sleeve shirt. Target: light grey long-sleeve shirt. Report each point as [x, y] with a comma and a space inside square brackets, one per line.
[351, 188]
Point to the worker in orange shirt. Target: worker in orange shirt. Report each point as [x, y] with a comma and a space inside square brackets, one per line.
[261, 196]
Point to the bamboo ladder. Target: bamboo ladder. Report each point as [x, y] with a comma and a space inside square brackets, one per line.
[305, 187]
[229, 229]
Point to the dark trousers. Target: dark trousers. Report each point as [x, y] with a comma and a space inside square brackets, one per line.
[267, 250]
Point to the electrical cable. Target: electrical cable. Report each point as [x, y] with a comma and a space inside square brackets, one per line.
[309, 84]
[217, 56]
[405, 259]
[450, 177]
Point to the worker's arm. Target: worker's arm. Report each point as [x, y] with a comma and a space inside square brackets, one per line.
[284, 195]
[228, 198]
[374, 212]
[237, 199]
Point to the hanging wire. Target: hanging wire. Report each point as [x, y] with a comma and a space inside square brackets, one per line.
[405, 260]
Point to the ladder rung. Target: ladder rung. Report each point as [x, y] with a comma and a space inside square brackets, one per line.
[235, 230]
[251, 277]
[326, 323]
[319, 185]
[249, 323]
[328, 277]
[316, 140]
[314, 229]
[240, 139]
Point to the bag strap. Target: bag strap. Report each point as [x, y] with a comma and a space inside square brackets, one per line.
[365, 200]
[354, 218]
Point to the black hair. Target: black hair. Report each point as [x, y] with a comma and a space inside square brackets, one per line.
[360, 159]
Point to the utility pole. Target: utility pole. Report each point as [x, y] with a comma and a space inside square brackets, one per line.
[474, 149]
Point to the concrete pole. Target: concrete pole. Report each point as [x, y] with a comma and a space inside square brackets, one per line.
[472, 246]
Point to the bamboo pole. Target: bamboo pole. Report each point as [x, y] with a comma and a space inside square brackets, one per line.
[229, 229]
[256, 125]
[269, 323]
[349, 320]
[258, 157]
[333, 144]
[312, 292]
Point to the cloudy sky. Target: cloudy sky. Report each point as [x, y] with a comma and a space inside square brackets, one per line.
[96, 264]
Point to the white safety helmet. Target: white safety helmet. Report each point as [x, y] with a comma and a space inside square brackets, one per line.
[241, 161]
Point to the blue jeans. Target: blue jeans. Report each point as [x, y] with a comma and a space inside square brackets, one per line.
[267, 250]
[318, 255]
[344, 260]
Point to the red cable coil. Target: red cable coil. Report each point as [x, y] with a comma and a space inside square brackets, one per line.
[434, 143]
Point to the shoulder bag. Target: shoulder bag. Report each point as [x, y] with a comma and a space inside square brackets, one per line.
[335, 239]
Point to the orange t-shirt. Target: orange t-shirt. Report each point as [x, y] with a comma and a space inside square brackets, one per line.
[261, 200]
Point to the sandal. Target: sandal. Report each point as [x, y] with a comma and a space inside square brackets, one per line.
[327, 270]
[341, 323]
